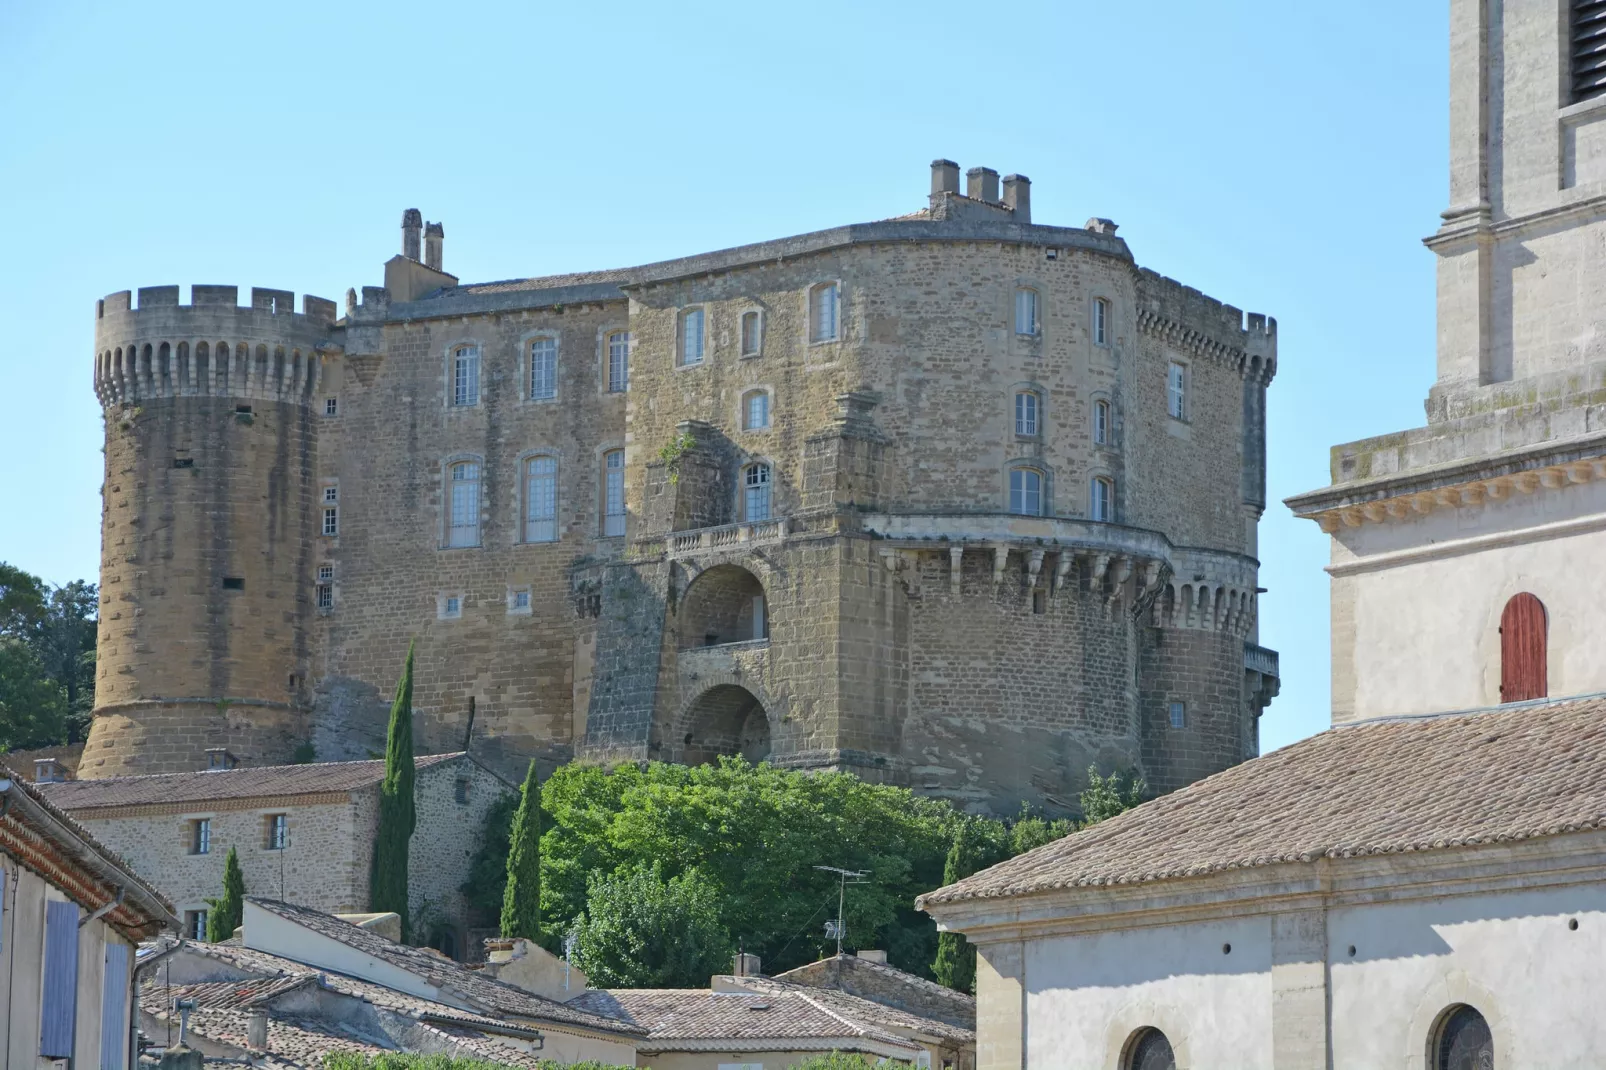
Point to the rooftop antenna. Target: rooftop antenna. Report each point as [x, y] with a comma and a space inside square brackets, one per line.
[839, 927]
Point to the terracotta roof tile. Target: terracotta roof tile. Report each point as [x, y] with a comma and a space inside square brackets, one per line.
[699, 1014]
[1380, 787]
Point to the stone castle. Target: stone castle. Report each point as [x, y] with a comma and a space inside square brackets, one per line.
[953, 500]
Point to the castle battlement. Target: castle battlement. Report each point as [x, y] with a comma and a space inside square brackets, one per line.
[212, 346]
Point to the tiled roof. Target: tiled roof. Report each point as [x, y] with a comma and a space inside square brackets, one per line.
[204, 786]
[486, 993]
[787, 1014]
[544, 282]
[67, 755]
[839, 972]
[867, 1012]
[1381, 787]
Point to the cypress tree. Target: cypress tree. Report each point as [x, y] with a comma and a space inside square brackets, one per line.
[521, 903]
[955, 964]
[387, 886]
[226, 914]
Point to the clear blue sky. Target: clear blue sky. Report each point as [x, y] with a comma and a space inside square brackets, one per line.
[1284, 157]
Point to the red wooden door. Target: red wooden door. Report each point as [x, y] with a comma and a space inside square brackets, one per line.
[1522, 649]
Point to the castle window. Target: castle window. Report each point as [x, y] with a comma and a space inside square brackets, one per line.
[449, 606]
[463, 523]
[541, 499]
[518, 600]
[823, 302]
[1101, 499]
[1101, 423]
[1463, 1040]
[752, 333]
[195, 924]
[613, 493]
[1179, 715]
[1588, 51]
[1148, 1049]
[1524, 673]
[1026, 311]
[331, 406]
[755, 493]
[466, 375]
[1026, 410]
[331, 511]
[1176, 390]
[277, 828]
[1101, 322]
[756, 411]
[201, 836]
[324, 590]
[543, 369]
[1026, 492]
[618, 362]
[234, 583]
[691, 337]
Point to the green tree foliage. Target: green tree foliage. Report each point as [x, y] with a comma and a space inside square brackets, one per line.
[521, 902]
[226, 914]
[642, 931]
[345, 1060]
[47, 660]
[975, 847]
[387, 889]
[1105, 797]
[486, 885]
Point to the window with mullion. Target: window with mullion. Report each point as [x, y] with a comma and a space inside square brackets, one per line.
[543, 369]
[618, 362]
[756, 493]
[1026, 492]
[466, 376]
[463, 528]
[691, 336]
[1026, 414]
[541, 500]
[613, 493]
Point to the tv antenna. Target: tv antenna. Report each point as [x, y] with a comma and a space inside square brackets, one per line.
[839, 927]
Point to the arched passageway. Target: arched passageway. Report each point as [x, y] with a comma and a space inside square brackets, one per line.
[723, 605]
[727, 719]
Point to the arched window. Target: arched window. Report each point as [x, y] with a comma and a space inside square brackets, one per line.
[1523, 669]
[755, 493]
[541, 499]
[543, 368]
[466, 375]
[463, 489]
[1149, 1050]
[756, 410]
[1101, 499]
[618, 362]
[752, 333]
[1027, 405]
[1101, 423]
[691, 337]
[823, 300]
[1463, 1041]
[1026, 311]
[613, 493]
[1101, 322]
[1026, 491]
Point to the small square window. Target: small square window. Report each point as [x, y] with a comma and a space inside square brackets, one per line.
[331, 494]
[1179, 715]
[326, 573]
[518, 600]
[451, 607]
[331, 406]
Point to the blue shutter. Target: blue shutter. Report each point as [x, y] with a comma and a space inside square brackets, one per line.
[60, 1008]
[113, 1007]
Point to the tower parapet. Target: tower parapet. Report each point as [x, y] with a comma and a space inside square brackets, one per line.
[208, 525]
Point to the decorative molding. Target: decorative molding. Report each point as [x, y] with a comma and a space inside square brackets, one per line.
[1472, 493]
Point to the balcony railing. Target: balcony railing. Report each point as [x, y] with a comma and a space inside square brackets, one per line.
[726, 535]
[1259, 659]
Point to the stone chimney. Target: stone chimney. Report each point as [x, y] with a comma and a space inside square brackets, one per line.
[981, 184]
[48, 771]
[256, 1030]
[412, 230]
[434, 234]
[747, 965]
[944, 177]
[1018, 197]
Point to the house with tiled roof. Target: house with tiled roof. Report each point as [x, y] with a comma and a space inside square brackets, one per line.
[303, 833]
[72, 914]
[300, 984]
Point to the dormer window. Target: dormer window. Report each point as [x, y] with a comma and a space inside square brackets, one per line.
[219, 759]
[48, 771]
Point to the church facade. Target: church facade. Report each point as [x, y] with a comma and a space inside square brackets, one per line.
[1413, 888]
[957, 500]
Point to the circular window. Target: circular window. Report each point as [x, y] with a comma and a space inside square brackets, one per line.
[1150, 1050]
[1464, 1042]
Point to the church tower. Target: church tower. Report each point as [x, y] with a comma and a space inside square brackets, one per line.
[1463, 552]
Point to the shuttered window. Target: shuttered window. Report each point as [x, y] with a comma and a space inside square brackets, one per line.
[1523, 673]
[1588, 48]
[59, 1005]
[113, 1008]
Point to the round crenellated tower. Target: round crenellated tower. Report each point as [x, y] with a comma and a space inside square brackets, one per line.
[208, 526]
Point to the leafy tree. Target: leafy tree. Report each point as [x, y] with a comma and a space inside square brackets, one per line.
[486, 885]
[226, 914]
[387, 888]
[33, 707]
[642, 931]
[1105, 797]
[521, 902]
[47, 660]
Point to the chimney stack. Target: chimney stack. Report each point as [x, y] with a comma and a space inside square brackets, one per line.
[748, 965]
[1018, 197]
[48, 771]
[434, 234]
[981, 184]
[944, 177]
[412, 228]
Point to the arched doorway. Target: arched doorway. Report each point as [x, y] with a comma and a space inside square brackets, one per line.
[725, 720]
[723, 605]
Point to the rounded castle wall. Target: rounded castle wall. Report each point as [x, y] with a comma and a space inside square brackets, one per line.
[208, 523]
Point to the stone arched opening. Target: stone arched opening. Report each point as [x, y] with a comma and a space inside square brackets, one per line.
[723, 605]
[727, 719]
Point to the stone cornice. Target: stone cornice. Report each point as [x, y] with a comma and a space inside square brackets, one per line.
[1197, 343]
[1464, 228]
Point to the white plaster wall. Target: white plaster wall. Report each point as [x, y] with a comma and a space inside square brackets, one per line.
[1086, 994]
[1510, 955]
